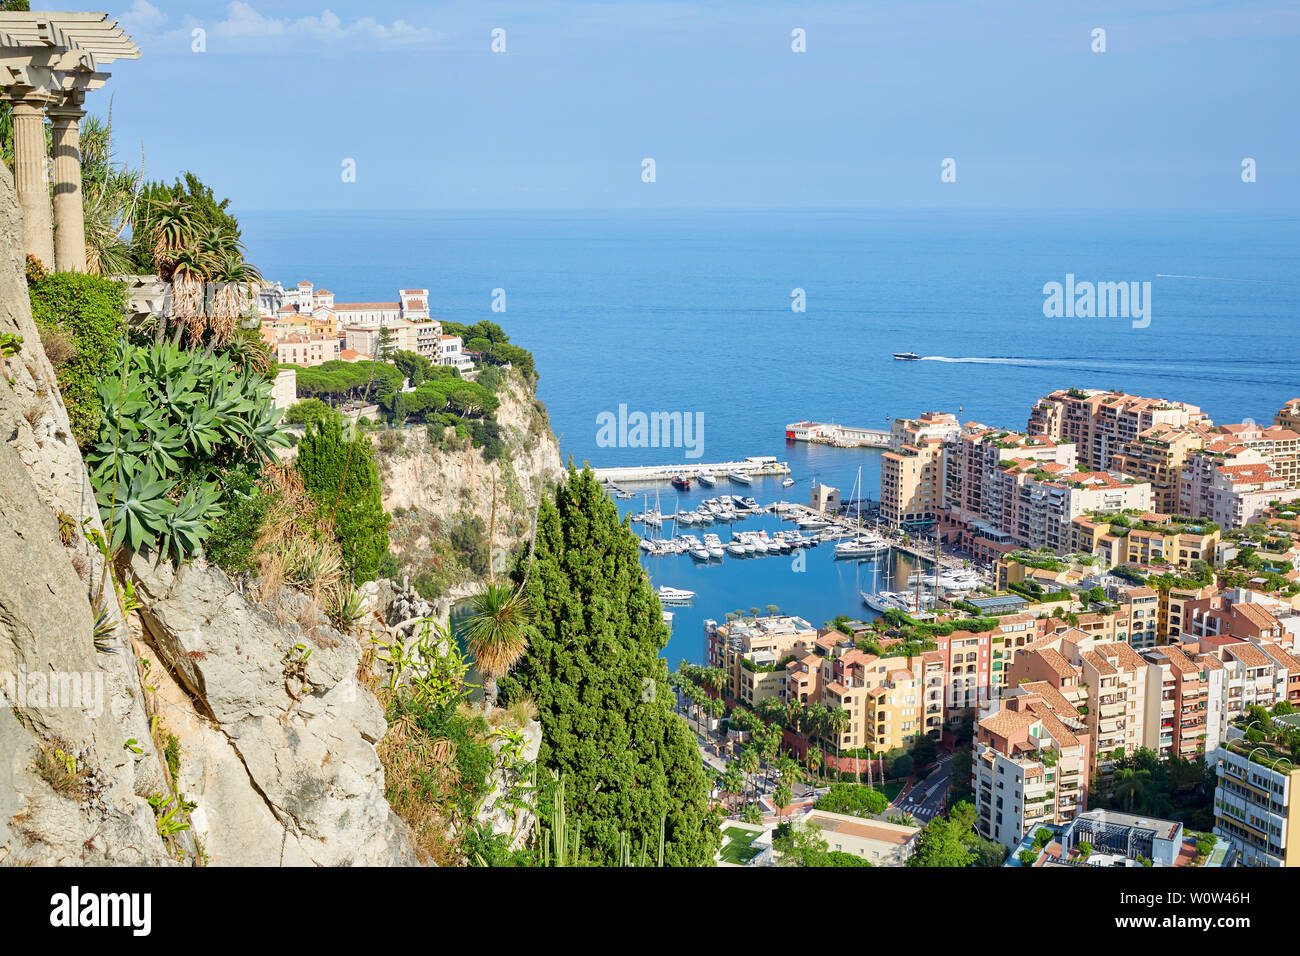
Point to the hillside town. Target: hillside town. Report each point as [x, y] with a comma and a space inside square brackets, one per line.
[1116, 682]
[304, 326]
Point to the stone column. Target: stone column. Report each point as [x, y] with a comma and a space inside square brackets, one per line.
[69, 218]
[31, 174]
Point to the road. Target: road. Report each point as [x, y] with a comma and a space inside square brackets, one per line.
[925, 799]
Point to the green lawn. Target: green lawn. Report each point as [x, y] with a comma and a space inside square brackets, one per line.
[739, 848]
[893, 789]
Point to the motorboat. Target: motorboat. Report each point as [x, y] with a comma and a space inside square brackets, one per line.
[861, 547]
[706, 478]
[907, 356]
[682, 482]
[714, 545]
[740, 477]
[786, 483]
[812, 523]
[736, 547]
[669, 595]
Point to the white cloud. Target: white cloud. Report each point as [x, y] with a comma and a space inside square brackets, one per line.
[143, 17]
[245, 24]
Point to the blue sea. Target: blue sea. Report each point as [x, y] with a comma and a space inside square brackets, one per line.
[691, 312]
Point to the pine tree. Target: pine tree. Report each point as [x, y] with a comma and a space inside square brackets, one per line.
[343, 479]
[601, 689]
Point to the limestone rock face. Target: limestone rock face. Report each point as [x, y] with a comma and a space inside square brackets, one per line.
[277, 747]
[60, 693]
[277, 752]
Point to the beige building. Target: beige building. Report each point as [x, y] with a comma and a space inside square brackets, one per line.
[1157, 457]
[1103, 424]
[877, 842]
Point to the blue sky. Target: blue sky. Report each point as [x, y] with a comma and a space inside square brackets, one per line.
[286, 92]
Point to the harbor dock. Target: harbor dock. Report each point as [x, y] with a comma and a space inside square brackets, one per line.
[841, 436]
[756, 467]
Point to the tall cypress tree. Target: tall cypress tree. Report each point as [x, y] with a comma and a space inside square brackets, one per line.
[342, 477]
[601, 689]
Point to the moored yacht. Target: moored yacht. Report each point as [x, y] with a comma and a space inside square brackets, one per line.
[740, 477]
[706, 478]
[682, 482]
[714, 545]
[669, 595]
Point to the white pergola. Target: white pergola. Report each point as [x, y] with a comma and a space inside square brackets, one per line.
[48, 62]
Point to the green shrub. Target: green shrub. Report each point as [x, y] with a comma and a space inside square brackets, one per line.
[81, 319]
[176, 424]
[309, 411]
[342, 478]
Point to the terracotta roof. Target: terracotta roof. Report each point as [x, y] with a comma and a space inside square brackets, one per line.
[1249, 654]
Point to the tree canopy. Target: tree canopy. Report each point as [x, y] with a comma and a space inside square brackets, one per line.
[601, 689]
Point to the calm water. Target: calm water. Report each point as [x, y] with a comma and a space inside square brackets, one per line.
[691, 312]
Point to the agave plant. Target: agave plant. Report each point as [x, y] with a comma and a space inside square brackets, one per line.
[138, 511]
[189, 522]
[173, 416]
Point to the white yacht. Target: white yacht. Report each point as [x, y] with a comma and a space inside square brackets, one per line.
[788, 482]
[707, 479]
[812, 523]
[860, 547]
[736, 547]
[669, 595]
[740, 477]
[714, 545]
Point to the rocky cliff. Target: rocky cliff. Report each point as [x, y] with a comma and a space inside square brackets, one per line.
[255, 706]
[441, 494]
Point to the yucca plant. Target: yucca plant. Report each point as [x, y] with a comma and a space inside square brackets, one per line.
[347, 607]
[497, 634]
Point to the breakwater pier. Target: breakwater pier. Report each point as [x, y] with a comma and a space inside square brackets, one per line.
[755, 467]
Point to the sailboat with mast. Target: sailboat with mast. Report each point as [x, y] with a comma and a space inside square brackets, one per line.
[863, 544]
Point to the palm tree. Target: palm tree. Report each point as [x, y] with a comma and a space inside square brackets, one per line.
[838, 722]
[170, 227]
[497, 635]
[794, 715]
[815, 761]
[187, 272]
[233, 274]
[733, 782]
[1131, 783]
[749, 763]
[109, 197]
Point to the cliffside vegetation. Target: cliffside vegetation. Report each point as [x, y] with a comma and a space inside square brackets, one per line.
[601, 690]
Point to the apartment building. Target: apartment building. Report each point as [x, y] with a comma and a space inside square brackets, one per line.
[1106, 681]
[912, 485]
[306, 349]
[1185, 702]
[974, 465]
[1030, 765]
[1255, 805]
[1233, 484]
[1288, 416]
[938, 427]
[1103, 424]
[403, 335]
[752, 654]
[882, 696]
[1157, 457]
[1157, 540]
